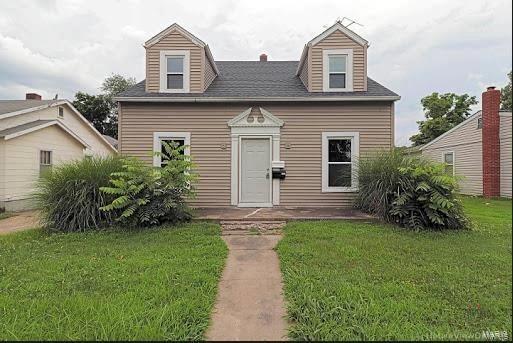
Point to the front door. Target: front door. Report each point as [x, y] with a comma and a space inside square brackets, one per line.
[255, 175]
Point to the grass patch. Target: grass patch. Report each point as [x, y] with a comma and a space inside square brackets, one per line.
[366, 281]
[157, 284]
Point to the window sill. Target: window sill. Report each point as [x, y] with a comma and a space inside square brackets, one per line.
[340, 190]
[173, 90]
[337, 90]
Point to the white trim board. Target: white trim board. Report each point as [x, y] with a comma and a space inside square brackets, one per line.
[263, 99]
[241, 128]
[326, 70]
[355, 154]
[157, 146]
[164, 54]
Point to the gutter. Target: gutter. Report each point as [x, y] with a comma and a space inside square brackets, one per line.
[259, 99]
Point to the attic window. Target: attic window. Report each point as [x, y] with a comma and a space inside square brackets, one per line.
[61, 112]
[338, 70]
[174, 71]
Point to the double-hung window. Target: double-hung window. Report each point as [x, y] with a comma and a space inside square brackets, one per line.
[174, 71]
[45, 162]
[176, 139]
[338, 70]
[448, 159]
[340, 151]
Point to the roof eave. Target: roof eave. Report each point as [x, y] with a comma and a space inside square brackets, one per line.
[264, 99]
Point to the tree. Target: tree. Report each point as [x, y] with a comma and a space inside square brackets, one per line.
[442, 112]
[506, 96]
[96, 109]
[101, 110]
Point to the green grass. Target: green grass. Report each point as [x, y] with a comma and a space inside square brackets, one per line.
[368, 281]
[148, 285]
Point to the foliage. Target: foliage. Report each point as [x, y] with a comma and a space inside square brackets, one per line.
[409, 191]
[115, 285]
[147, 195]
[366, 281]
[69, 197]
[96, 109]
[101, 110]
[442, 112]
[115, 84]
[507, 96]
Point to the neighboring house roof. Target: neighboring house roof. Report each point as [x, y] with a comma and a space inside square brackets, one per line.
[255, 80]
[36, 125]
[478, 113]
[175, 27]
[113, 141]
[10, 108]
[23, 106]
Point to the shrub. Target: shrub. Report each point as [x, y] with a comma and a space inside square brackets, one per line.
[69, 196]
[409, 191]
[146, 195]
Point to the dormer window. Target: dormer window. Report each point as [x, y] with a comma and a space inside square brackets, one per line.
[174, 71]
[338, 70]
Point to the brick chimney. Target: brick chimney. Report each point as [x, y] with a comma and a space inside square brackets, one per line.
[263, 58]
[32, 96]
[491, 143]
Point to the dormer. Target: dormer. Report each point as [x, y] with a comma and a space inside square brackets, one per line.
[334, 61]
[178, 62]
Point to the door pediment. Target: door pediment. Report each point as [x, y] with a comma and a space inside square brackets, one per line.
[259, 118]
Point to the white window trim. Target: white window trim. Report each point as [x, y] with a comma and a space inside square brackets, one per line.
[355, 153]
[157, 145]
[453, 160]
[326, 70]
[186, 70]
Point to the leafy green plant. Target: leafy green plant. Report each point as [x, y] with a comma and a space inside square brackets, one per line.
[409, 191]
[146, 195]
[69, 196]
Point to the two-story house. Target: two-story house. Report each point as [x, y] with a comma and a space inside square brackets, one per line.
[261, 133]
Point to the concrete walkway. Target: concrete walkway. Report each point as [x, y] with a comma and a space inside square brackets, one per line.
[250, 303]
[18, 222]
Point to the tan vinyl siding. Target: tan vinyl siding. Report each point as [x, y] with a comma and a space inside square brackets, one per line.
[210, 74]
[466, 143]
[304, 124]
[174, 41]
[303, 75]
[506, 151]
[337, 40]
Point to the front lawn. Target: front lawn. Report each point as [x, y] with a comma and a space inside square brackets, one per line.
[157, 284]
[367, 281]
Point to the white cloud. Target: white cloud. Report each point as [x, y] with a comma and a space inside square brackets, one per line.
[57, 46]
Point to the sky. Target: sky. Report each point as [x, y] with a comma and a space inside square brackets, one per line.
[416, 47]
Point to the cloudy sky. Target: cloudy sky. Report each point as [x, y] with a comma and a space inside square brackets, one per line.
[417, 47]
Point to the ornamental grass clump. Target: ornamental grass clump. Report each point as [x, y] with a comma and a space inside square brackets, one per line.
[69, 196]
[146, 195]
[409, 191]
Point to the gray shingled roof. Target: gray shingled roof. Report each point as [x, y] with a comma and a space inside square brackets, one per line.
[249, 79]
[23, 127]
[8, 106]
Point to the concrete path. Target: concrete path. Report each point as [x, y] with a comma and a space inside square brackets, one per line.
[250, 303]
[19, 221]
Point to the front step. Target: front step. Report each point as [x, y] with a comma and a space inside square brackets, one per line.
[245, 227]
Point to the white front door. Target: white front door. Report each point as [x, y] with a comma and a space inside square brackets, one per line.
[255, 177]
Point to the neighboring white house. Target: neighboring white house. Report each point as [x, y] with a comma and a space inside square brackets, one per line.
[478, 150]
[36, 135]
